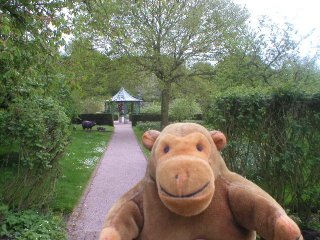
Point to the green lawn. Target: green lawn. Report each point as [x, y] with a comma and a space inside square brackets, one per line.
[77, 166]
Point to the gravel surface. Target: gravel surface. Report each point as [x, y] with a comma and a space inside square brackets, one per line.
[121, 167]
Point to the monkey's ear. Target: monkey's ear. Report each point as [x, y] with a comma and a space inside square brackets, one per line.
[219, 139]
[149, 137]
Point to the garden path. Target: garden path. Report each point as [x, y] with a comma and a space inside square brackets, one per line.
[122, 166]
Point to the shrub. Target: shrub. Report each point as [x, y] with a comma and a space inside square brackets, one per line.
[145, 126]
[91, 105]
[151, 108]
[274, 140]
[183, 109]
[40, 129]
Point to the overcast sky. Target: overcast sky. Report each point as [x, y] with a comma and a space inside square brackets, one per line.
[303, 14]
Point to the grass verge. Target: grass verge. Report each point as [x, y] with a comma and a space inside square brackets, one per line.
[77, 166]
[139, 133]
[140, 129]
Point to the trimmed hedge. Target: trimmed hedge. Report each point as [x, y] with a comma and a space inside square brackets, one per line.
[145, 118]
[99, 118]
[274, 140]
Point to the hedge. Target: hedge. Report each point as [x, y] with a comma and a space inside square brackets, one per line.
[145, 118]
[274, 140]
[99, 118]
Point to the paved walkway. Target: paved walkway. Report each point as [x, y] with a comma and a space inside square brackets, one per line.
[122, 166]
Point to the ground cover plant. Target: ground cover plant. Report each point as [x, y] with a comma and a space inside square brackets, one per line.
[30, 225]
[77, 165]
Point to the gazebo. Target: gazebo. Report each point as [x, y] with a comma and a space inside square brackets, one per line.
[123, 103]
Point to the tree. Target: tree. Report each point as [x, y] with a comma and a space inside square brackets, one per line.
[33, 119]
[85, 68]
[261, 60]
[30, 36]
[96, 77]
[167, 36]
[269, 48]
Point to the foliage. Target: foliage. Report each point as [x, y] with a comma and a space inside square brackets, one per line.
[145, 126]
[61, 92]
[77, 165]
[95, 77]
[140, 129]
[166, 36]
[197, 87]
[35, 100]
[183, 109]
[274, 136]
[139, 133]
[153, 108]
[30, 35]
[148, 117]
[272, 45]
[84, 68]
[241, 72]
[41, 136]
[30, 225]
[91, 105]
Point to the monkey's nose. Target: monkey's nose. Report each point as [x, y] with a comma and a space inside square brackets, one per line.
[181, 182]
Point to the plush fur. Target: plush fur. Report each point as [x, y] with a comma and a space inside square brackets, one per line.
[188, 193]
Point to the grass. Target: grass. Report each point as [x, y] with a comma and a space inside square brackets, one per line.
[8, 164]
[140, 129]
[77, 166]
[139, 133]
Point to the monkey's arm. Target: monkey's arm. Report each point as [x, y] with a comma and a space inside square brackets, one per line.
[254, 209]
[124, 220]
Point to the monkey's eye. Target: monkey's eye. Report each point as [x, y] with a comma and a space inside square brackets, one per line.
[166, 149]
[199, 147]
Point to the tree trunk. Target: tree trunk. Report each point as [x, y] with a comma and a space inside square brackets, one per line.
[165, 98]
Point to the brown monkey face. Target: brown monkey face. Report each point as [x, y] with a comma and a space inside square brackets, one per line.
[184, 177]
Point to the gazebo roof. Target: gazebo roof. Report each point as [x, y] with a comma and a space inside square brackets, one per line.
[124, 96]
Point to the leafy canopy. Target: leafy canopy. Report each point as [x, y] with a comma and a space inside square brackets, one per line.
[166, 36]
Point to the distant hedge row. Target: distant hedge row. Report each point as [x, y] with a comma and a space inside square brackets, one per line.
[274, 140]
[99, 118]
[147, 117]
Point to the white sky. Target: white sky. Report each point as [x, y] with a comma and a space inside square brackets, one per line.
[303, 14]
